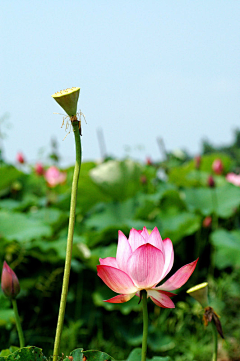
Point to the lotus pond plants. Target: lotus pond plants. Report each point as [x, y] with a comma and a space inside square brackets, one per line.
[117, 288]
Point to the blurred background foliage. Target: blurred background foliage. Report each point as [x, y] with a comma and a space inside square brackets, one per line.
[175, 196]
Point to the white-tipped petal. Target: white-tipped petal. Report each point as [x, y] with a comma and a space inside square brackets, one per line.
[109, 261]
[169, 256]
[135, 239]
[124, 251]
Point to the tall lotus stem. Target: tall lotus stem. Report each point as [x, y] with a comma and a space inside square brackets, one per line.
[215, 342]
[18, 323]
[143, 294]
[68, 101]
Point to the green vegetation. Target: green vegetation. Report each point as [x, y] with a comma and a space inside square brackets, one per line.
[121, 195]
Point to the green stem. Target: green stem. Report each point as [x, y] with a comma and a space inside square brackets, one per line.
[215, 209]
[18, 323]
[69, 241]
[145, 325]
[215, 342]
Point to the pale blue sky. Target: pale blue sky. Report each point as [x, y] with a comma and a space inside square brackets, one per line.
[146, 69]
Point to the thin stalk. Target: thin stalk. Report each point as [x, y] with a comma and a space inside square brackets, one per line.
[18, 324]
[215, 342]
[69, 241]
[215, 209]
[145, 325]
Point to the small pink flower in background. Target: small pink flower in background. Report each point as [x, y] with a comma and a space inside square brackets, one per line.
[211, 181]
[39, 170]
[207, 222]
[142, 261]
[54, 177]
[143, 179]
[149, 161]
[217, 166]
[197, 161]
[9, 282]
[233, 178]
[20, 158]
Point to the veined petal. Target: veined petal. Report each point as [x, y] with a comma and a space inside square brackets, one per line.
[109, 261]
[145, 266]
[135, 239]
[155, 239]
[124, 251]
[116, 279]
[120, 298]
[179, 278]
[161, 298]
[145, 234]
[169, 256]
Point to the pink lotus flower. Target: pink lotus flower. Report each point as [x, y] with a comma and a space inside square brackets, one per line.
[9, 282]
[217, 166]
[54, 177]
[142, 261]
[20, 158]
[233, 178]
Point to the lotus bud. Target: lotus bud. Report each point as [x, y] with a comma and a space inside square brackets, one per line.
[211, 181]
[217, 166]
[68, 99]
[149, 161]
[197, 161]
[207, 222]
[39, 170]
[200, 293]
[9, 282]
[20, 158]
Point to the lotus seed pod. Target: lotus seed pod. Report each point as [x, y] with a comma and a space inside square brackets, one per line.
[200, 293]
[68, 99]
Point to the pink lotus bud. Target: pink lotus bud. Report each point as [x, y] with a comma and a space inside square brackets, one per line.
[211, 181]
[149, 161]
[39, 169]
[20, 158]
[9, 283]
[207, 222]
[197, 161]
[54, 177]
[143, 179]
[217, 166]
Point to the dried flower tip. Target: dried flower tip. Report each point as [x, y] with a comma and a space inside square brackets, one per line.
[209, 316]
[200, 293]
[68, 99]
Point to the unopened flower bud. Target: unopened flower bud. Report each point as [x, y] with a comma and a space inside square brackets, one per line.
[207, 222]
[211, 181]
[143, 179]
[68, 99]
[9, 282]
[39, 170]
[200, 293]
[197, 161]
[20, 158]
[149, 161]
[217, 166]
